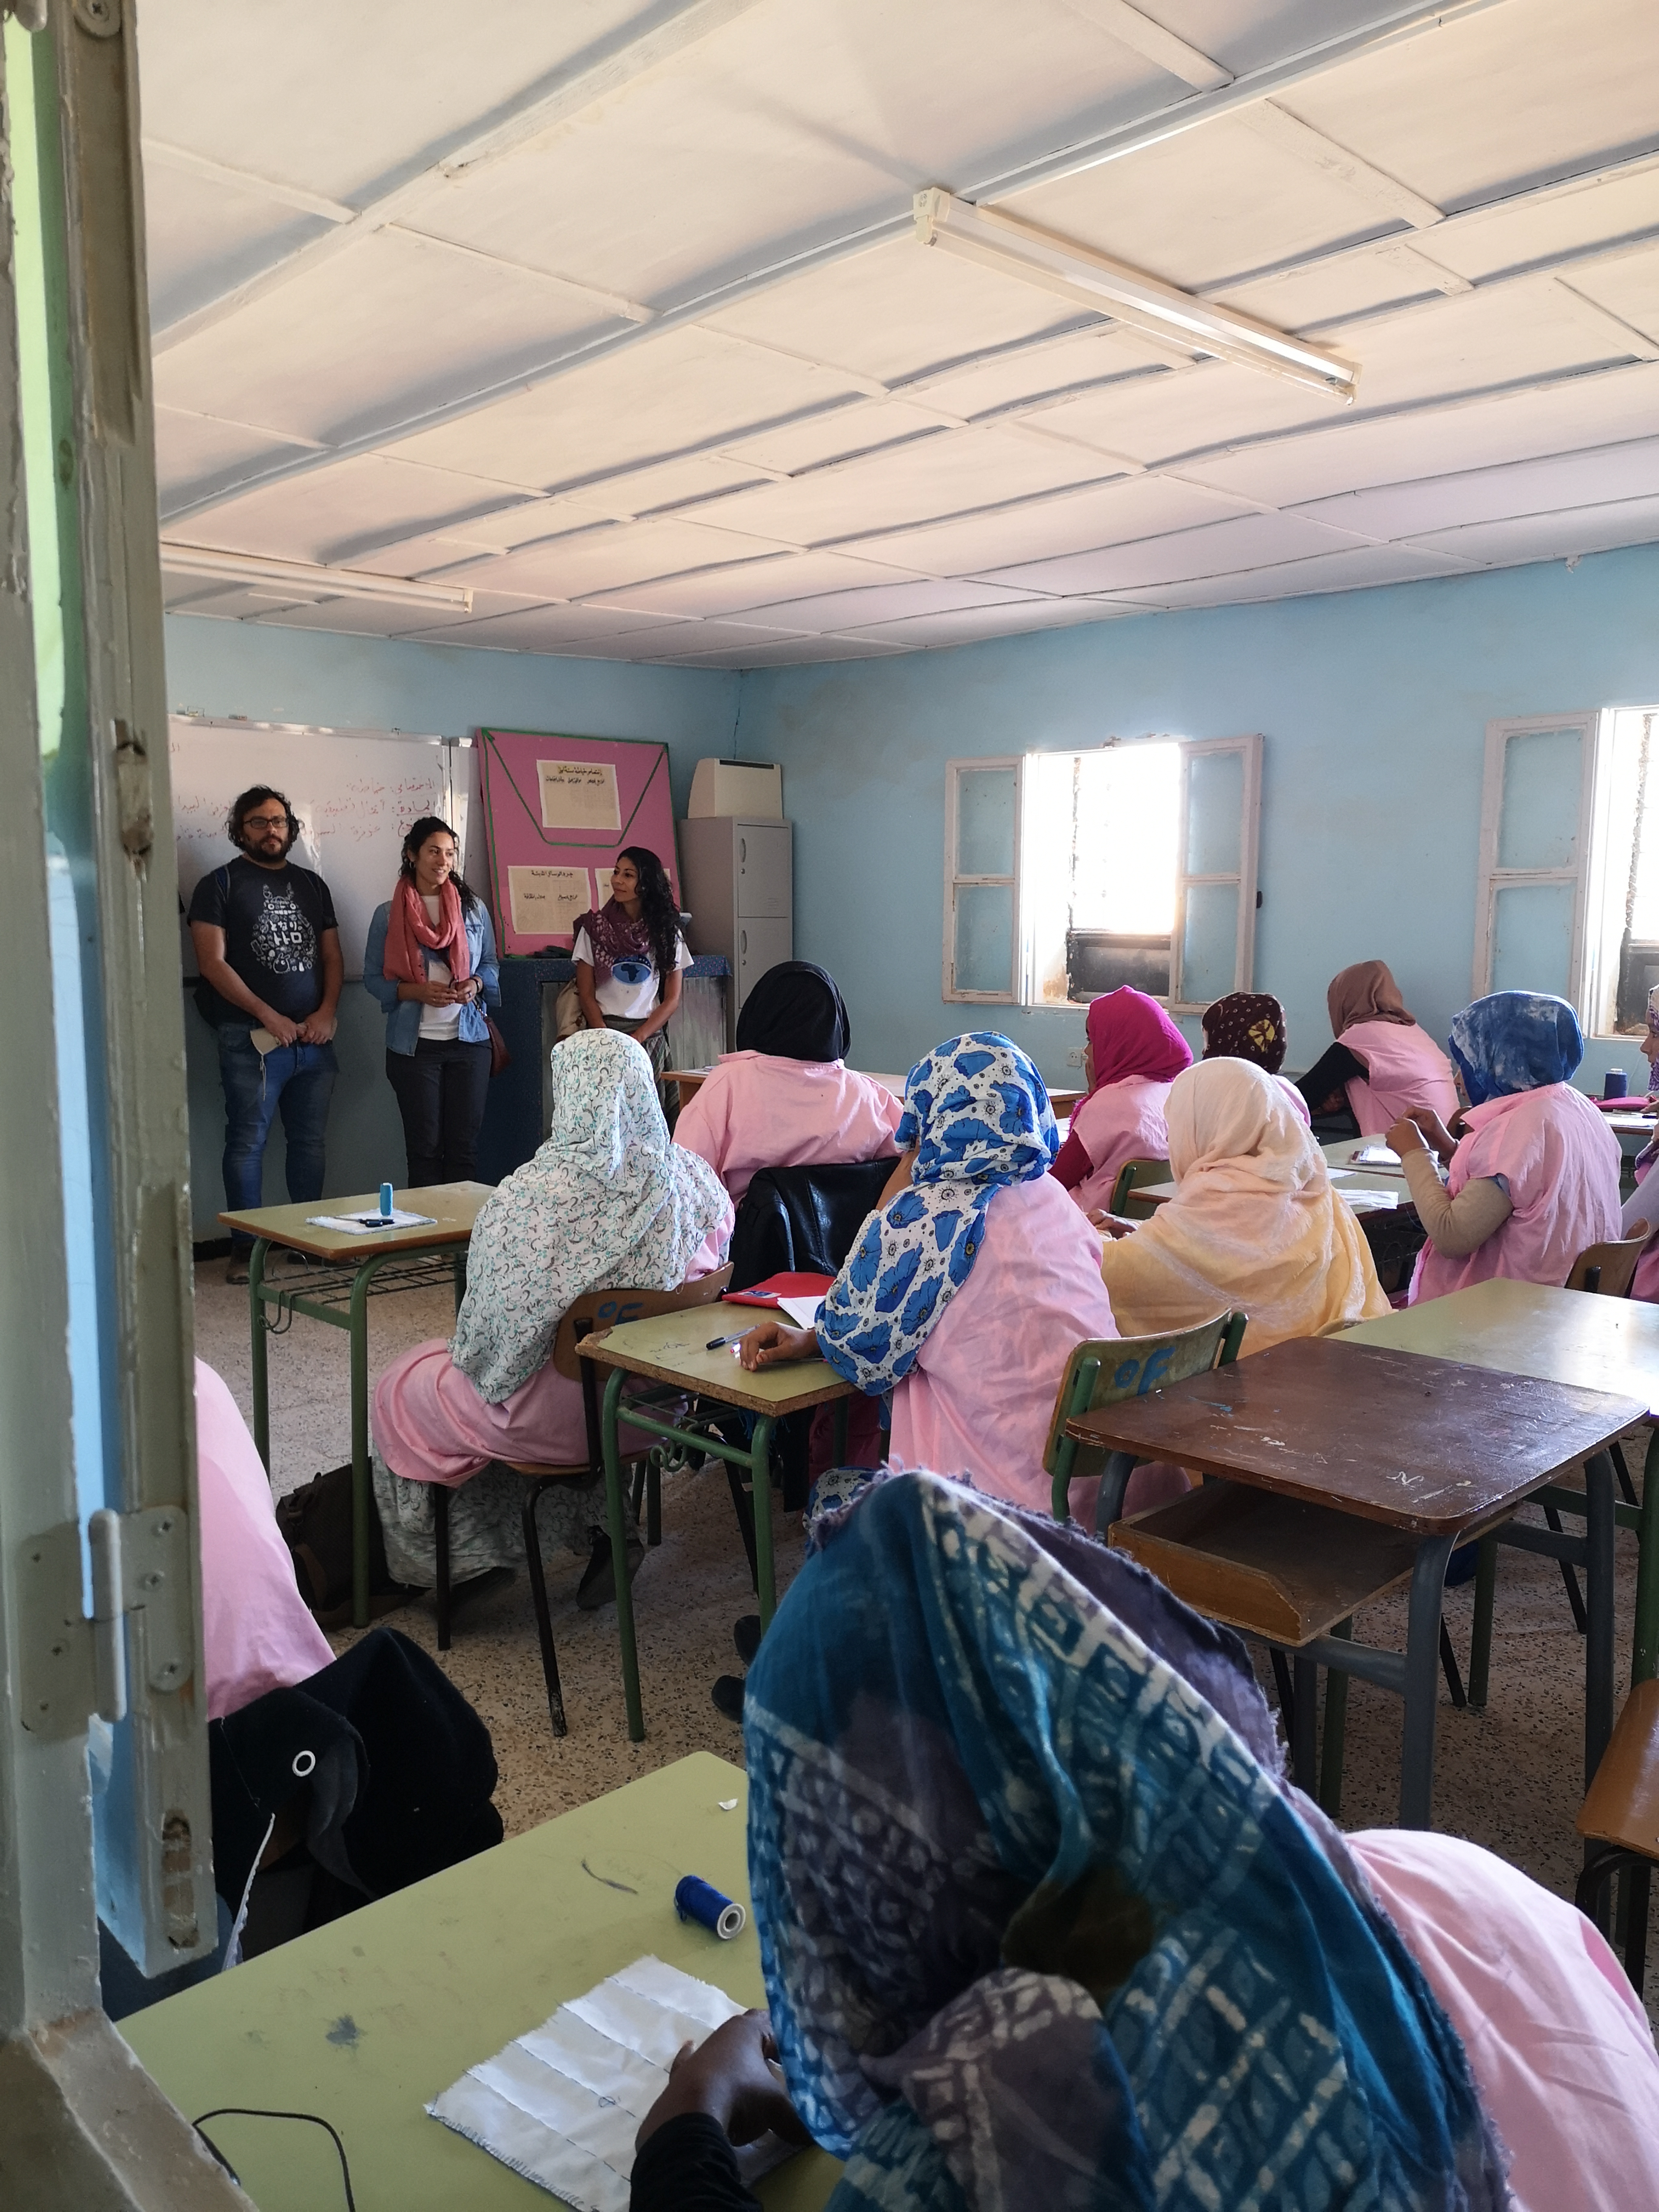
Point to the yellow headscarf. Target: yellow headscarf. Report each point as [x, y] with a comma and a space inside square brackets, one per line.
[1254, 1225]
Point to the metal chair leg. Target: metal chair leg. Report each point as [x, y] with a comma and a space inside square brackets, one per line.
[1627, 1488]
[653, 1499]
[1334, 1741]
[743, 1507]
[1575, 1596]
[532, 1559]
[440, 1532]
[1449, 1668]
[1486, 1599]
[1305, 1723]
[1281, 1668]
[1637, 1883]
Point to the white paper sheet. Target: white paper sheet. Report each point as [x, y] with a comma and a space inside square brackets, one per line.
[362, 1225]
[803, 1312]
[563, 2103]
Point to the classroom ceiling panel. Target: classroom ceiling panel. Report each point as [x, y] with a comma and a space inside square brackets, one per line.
[1551, 537]
[334, 514]
[1526, 90]
[752, 584]
[1068, 522]
[623, 303]
[230, 603]
[1540, 487]
[396, 325]
[1345, 455]
[1215, 549]
[345, 99]
[964, 625]
[662, 398]
[784, 653]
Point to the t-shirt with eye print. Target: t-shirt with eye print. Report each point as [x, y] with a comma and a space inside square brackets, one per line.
[273, 920]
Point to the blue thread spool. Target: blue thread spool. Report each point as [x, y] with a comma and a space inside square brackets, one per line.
[699, 1900]
[1616, 1084]
[386, 1208]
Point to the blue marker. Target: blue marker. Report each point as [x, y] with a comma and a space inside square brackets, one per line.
[386, 1208]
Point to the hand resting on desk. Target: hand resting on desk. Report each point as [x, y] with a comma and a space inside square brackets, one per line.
[735, 2078]
[769, 1344]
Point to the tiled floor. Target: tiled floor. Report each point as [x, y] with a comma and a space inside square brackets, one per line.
[1509, 1778]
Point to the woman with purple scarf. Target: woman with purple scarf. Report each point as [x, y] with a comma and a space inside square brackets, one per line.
[628, 955]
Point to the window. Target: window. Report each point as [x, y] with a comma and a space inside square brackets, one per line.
[1568, 896]
[1068, 874]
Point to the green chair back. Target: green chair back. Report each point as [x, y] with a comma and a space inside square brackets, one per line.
[1131, 1173]
[1103, 1371]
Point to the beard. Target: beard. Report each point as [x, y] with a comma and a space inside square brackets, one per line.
[257, 846]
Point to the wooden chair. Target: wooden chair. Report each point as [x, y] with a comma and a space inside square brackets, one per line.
[1100, 1371]
[1131, 1173]
[1605, 1271]
[1620, 1813]
[594, 1309]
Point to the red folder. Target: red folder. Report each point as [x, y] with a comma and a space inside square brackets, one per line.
[780, 1287]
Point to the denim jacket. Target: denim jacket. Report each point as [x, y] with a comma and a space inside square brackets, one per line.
[403, 1016]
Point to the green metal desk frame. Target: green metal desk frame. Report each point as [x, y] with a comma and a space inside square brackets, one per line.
[342, 1303]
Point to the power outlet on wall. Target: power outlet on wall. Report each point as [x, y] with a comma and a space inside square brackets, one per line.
[1075, 1057]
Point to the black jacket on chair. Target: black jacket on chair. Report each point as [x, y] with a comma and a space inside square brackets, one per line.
[803, 1220]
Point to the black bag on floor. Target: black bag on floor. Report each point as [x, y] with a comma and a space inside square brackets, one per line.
[315, 1520]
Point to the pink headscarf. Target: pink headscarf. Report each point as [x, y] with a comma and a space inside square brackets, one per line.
[1131, 1035]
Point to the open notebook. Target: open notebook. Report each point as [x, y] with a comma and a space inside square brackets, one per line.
[561, 2105]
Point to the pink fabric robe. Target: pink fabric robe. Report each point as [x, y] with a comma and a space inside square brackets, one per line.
[1557, 2039]
[1405, 1068]
[257, 1632]
[757, 1111]
[1119, 1122]
[978, 1399]
[1561, 1164]
[431, 1425]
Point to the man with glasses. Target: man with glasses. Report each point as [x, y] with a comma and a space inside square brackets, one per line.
[268, 947]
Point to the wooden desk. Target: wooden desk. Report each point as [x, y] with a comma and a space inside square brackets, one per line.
[673, 1348]
[1439, 1450]
[401, 1260]
[366, 2019]
[1562, 1336]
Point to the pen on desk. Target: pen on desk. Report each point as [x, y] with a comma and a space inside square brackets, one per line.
[715, 1342]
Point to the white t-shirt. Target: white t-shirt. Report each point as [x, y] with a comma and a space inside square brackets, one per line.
[629, 991]
[438, 1025]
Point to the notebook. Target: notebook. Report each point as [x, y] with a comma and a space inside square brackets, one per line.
[776, 1288]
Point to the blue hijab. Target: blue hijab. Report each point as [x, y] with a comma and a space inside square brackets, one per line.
[1515, 1040]
[1040, 1923]
[978, 1114]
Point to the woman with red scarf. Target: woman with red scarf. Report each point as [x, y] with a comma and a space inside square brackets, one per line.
[1133, 1054]
[430, 960]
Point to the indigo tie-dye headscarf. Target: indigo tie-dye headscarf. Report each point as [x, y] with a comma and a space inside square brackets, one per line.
[978, 1114]
[1039, 1924]
[1515, 1040]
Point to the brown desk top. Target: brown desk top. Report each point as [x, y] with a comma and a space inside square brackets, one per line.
[453, 1206]
[672, 1347]
[1411, 1441]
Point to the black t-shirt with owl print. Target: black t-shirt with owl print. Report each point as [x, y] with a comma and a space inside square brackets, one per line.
[273, 920]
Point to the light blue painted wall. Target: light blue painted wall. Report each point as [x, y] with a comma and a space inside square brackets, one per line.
[268, 674]
[1373, 705]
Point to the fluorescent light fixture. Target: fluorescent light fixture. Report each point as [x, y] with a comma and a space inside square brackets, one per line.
[1140, 302]
[309, 579]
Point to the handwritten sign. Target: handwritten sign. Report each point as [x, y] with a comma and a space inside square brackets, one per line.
[578, 795]
[545, 902]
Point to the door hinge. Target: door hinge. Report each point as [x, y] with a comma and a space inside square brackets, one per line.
[73, 1667]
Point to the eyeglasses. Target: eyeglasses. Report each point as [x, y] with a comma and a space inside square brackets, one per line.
[264, 821]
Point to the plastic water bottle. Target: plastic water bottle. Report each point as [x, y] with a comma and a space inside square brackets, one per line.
[386, 1201]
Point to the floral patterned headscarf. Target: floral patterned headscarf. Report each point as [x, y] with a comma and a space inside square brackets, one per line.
[608, 1202]
[978, 1114]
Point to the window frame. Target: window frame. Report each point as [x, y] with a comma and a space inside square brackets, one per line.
[955, 880]
[1246, 877]
[1587, 875]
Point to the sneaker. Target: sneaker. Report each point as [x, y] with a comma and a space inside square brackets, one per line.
[597, 1586]
[746, 1635]
[727, 1694]
[236, 1267]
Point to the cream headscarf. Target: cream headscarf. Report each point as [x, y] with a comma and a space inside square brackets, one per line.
[1254, 1225]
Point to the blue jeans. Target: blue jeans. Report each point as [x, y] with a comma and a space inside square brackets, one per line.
[297, 1079]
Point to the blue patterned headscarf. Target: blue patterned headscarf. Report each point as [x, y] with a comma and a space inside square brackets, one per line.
[1041, 1925]
[978, 1114]
[1515, 1040]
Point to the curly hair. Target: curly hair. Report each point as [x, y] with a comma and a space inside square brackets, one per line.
[660, 909]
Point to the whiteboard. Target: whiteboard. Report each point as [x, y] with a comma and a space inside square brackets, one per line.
[356, 791]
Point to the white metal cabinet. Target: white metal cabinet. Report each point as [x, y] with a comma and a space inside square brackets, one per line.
[738, 878]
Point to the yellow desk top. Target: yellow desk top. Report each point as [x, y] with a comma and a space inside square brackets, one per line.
[1525, 1328]
[672, 1347]
[364, 2020]
[453, 1206]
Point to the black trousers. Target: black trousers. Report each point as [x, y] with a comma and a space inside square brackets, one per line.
[440, 1089]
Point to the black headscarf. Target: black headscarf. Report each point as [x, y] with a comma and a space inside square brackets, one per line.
[795, 1012]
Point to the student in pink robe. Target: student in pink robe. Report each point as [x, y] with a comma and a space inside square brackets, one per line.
[1133, 1054]
[971, 1285]
[1381, 1060]
[784, 1099]
[1534, 1177]
[257, 1632]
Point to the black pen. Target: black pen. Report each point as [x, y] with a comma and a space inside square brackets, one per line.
[715, 1342]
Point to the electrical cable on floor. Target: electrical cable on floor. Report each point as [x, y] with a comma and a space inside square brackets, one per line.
[258, 2112]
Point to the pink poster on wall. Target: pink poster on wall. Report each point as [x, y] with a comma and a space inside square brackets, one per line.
[557, 811]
